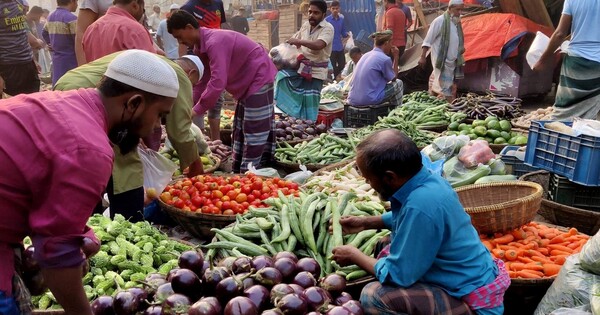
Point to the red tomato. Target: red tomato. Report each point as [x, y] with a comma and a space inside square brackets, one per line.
[257, 185]
[184, 195]
[225, 198]
[245, 205]
[256, 203]
[246, 189]
[226, 189]
[237, 184]
[186, 208]
[199, 178]
[170, 202]
[193, 208]
[214, 201]
[241, 198]
[175, 192]
[232, 194]
[197, 201]
[187, 183]
[165, 196]
[213, 186]
[203, 200]
[179, 204]
[266, 190]
[215, 210]
[257, 193]
[228, 212]
[198, 185]
[281, 184]
[205, 209]
[217, 194]
[264, 196]
[226, 205]
[250, 175]
[205, 194]
[292, 185]
[219, 204]
[251, 197]
[285, 191]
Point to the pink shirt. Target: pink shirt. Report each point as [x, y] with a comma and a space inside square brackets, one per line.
[115, 31]
[55, 161]
[232, 62]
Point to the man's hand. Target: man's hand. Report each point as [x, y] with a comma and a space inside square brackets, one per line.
[294, 41]
[89, 247]
[395, 52]
[423, 62]
[350, 225]
[540, 66]
[346, 255]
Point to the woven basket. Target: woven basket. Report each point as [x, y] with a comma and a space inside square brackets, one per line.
[541, 178]
[355, 287]
[585, 221]
[215, 167]
[294, 167]
[499, 207]
[196, 223]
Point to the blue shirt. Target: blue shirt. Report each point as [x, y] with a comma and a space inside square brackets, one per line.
[585, 40]
[433, 241]
[170, 43]
[372, 73]
[339, 31]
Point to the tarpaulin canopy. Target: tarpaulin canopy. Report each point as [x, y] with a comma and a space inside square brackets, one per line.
[496, 34]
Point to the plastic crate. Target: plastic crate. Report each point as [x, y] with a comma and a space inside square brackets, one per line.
[360, 116]
[576, 158]
[514, 165]
[327, 117]
[565, 192]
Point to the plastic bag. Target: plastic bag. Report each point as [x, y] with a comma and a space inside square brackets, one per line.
[349, 42]
[570, 289]
[198, 136]
[267, 171]
[497, 167]
[590, 255]
[537, 48]
[285, 56]
[582, 310]
[587, 127]
[299, 177]
[445, 147]
[158, 170]
[458, 175]
[595, 299]
[435, 167]
[475, 152]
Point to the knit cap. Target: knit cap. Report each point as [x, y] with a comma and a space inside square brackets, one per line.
[145, 71]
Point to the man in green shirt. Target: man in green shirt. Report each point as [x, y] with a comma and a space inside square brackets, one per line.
[125, 189]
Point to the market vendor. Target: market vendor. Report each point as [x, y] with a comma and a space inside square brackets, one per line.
[298, 92]
[375, 79]
[578, 92]
[56, 163]
[240, 66]
[445, 41]
[125, 189]
[435, 263]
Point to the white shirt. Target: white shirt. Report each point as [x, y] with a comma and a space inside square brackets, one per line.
[434, 40]
[154, 21]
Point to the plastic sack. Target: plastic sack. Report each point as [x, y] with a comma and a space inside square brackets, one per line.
[537, 48]
[299, 177]
[458, 175]
[198, 137]
[582, 310]
[570, 289]
[158, 170]
[445, 147]
[587, 127]
[435, 167]
[349, 42]
[475, 152]
[497, 167]
[285, 56]
[590, 255]
[595, 299]
[267, 171]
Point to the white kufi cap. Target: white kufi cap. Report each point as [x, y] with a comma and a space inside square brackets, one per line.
[197, 62]
[145, 71]
[456, 2]
[174, 6]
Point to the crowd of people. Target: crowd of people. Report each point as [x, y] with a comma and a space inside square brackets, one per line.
[114, 84]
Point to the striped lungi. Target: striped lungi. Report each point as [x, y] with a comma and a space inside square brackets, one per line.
[393, 92]
[296, 96]
[578, 92]
[254, 130]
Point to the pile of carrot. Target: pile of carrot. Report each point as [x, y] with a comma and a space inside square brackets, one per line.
[534, 251]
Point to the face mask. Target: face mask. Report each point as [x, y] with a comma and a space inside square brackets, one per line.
[124, 136]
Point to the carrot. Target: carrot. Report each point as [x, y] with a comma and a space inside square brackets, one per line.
[525, 274]
[551, 269]
[541, 259]
[525, 260]
[517, 266]
[532, 253]
[573, 231]
[560, 247]
[497, 235]
[498, 253]
[518, 234]
[556, 252]
[511, 254]
[515, 244]
[544, 242]
[560, 259]
[504, 239]
[512, 274]
[488, 245]
[558, 239]
[531, 229]
[543, 251]
[534, 267]
[530, 245]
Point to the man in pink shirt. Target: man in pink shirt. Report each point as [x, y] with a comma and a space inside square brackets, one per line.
[395, 21]
[234, 63]
[58, 160]
[117, 30]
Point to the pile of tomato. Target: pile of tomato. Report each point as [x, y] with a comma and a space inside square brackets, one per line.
[224, 195]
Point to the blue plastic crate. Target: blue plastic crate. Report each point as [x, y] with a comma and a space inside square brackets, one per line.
[576, 158]
[515, 165]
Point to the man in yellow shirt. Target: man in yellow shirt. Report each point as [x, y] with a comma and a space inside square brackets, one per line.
[125, 189]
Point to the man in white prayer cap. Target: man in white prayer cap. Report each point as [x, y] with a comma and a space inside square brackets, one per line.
[445, 41]
[125, 189]
[56, 163]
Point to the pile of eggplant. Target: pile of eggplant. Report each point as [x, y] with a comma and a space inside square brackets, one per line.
[291, 129]
[483, 106]
[236, 286]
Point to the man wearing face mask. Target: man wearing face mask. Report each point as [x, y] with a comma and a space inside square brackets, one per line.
[57, 162]
[445, 41]
[125, 190]
[117, 30]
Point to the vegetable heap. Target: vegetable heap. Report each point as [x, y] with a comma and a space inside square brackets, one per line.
[291, 129]
[482, 106]
[226, 119]
[421, 138]
[539, 114]
[324, 149]
[129, 252]
[425, 110]
[491, 129]
[535, 250]
[224, 195]
[300, 225]
[208, 161]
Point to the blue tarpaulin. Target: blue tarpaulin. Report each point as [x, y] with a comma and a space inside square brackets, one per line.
[359, 18]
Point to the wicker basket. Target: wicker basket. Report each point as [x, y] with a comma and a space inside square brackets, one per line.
[541, 178]
[523, 295]
[499, 207]
[294, 167]
[196, 223]
[585, 221]
[216, 166]
[355, 287]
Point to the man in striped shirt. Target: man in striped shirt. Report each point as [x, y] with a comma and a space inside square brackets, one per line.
[59, 32]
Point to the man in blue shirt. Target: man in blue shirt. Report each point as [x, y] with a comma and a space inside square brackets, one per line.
[436, 261]
[338, 56]
[370, 84]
